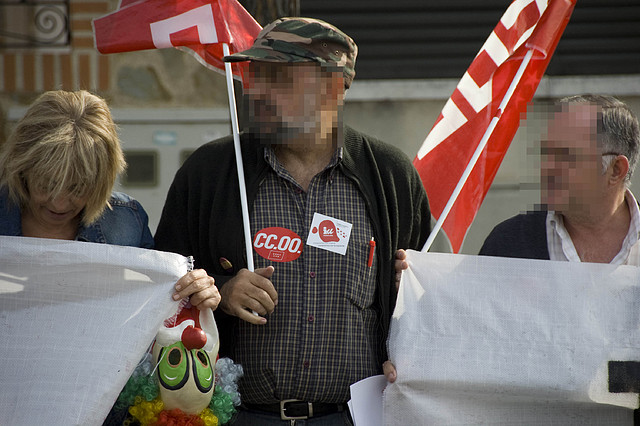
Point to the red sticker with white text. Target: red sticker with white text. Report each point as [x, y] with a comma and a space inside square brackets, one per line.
[278, 244]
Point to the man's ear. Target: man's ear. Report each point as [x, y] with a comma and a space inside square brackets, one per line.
[619, 170]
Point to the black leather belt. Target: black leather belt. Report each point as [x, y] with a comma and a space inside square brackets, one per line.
[292, 409]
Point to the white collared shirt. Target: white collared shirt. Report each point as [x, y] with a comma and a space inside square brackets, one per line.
[561, 246]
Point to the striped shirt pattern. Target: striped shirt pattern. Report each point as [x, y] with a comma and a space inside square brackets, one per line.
[322, 335]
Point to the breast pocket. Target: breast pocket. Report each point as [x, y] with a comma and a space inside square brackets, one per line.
[360, 283]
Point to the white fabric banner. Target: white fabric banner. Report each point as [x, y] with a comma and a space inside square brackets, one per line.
[484, 340]
[75, 319]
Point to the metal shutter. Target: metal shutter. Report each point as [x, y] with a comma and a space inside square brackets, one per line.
[439, 39]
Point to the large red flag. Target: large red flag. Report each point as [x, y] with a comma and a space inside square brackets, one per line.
[535, 25]
[199, 25]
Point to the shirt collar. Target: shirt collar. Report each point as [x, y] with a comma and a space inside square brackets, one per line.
[561, 246]
[271, 159]
[559, 241]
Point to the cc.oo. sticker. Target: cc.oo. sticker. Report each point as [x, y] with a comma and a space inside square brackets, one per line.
[277, 244]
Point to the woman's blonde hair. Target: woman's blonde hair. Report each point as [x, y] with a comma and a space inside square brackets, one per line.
[67, 143]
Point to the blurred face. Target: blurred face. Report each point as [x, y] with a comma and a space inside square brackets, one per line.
[571, 160]
[59, 212]
[286, 100]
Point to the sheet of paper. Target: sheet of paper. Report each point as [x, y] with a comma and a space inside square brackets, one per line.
[366, 401]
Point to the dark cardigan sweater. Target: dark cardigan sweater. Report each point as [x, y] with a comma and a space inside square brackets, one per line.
[523, 236]
[202, 215]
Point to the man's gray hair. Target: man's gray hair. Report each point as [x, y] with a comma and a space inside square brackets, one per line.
[618, 129]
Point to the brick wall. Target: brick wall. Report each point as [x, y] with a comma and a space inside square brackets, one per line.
[77, 66]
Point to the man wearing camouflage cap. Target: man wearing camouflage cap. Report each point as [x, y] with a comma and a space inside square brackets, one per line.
[328, 207]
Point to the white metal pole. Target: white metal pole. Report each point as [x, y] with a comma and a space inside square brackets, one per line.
[479, 149]
[233, 111]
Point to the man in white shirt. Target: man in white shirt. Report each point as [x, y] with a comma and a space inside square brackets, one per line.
[588, 157]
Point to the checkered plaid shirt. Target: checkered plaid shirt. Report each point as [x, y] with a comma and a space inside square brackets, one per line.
[322, 335]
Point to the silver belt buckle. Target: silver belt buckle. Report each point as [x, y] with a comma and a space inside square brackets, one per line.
[284, 416]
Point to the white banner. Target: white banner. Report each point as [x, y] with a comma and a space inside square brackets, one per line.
[75, 319]
[483, 340]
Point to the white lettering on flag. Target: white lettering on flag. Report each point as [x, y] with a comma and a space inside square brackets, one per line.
[513, 12]
[496, 49]
[200, 17]
[478, 94]
[452, 120]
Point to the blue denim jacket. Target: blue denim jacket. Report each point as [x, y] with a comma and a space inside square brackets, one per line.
[125, 224]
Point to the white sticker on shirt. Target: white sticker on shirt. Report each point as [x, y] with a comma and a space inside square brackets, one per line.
[330, 234]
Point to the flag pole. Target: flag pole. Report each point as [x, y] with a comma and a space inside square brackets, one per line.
[233, 111]
[478, 151]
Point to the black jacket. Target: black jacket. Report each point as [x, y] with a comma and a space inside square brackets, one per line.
[202, 215]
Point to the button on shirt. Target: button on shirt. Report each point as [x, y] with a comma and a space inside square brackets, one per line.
[561, 246]
[323, 333]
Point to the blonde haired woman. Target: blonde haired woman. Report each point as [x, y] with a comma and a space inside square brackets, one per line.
[57, 172]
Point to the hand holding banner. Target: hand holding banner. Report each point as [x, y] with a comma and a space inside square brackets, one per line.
[76, 318]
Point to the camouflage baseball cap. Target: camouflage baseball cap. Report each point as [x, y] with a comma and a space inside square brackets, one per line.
[303, 40]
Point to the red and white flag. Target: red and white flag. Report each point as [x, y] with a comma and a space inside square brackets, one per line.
[199, 25]
[443, 157]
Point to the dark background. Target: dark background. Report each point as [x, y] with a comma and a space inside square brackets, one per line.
[409, 39]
